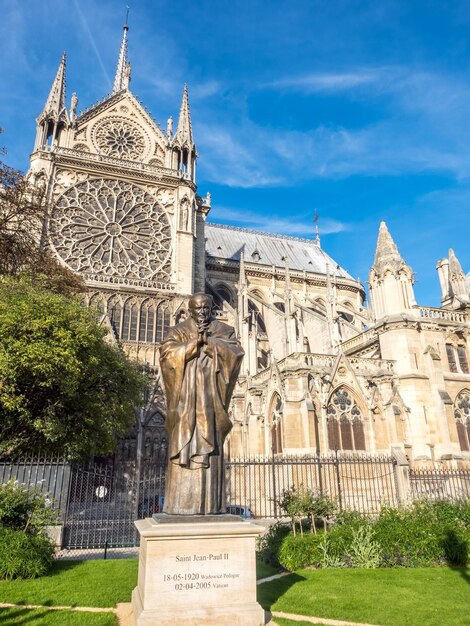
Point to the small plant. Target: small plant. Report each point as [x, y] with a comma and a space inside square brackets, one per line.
[292, 503]
[298, 552]
[24, 509]
[25, 550]
[364, 550]
[324, 507]
[327, 557]
[270, 544]
[24, 555]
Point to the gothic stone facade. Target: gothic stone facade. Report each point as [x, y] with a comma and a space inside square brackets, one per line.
[322, 370]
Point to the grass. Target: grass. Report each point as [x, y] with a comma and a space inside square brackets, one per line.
[76, 583]
[84, 583]
[263, 570]
[43, 617]
[390, 597]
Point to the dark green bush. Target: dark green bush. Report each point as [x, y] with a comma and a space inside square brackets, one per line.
[23, 555]
[270, 544]
[455, 544]
[297, 551]
[423, 534]
[410, 536]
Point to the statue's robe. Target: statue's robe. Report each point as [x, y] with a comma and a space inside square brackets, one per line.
[198, 389]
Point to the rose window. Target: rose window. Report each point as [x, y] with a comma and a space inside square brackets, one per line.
[112, 228]
[119, 138]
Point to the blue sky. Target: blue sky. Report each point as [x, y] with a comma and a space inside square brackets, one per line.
[358, 110]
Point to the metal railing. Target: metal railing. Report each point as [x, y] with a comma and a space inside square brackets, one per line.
[98, 504]
[358, 482]
[440, 483]
[49, 475]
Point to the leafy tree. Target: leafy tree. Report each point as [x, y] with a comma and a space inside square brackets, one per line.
[63, 388]
[291, 502]
[23, 213]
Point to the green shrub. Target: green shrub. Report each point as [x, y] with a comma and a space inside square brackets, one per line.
[270, 544]
[300, 551]
[23, 555]
[410, 536]
[364, 549]
[455, 544]
[425, 533]
[24, 509]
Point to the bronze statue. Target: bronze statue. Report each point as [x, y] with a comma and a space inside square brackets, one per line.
[200, 361]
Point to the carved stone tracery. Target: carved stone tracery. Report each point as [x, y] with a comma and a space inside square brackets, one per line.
[118, 137]
[112, 228]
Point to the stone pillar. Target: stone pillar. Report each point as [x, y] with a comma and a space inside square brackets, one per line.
[197, 571]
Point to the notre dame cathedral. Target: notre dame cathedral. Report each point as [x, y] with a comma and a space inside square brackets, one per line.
[322, 370]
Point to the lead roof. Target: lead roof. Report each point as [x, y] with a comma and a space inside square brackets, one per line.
[227, 242]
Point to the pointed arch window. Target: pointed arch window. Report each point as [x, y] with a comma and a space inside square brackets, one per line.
[256, 320]
[147, 322]
[96, 302]
[163, 322]
[463, 361]
[345, 425]
[115, 314]
[462, 419]
[276, 425]
[129, 321]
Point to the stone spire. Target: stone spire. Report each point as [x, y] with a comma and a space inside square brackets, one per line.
[390, 279]
[455, 269]
[386, 253]
[184, 132]
[55, 109]
[458, 285]
[123, 70]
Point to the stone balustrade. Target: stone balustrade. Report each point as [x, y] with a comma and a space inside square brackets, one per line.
[130, 165]
[363, 366]
[442, 314]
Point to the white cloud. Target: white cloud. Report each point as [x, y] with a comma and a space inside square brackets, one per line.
[424, 128]
[317, 82]
[228, 160]
[300, 227]
[93, 43]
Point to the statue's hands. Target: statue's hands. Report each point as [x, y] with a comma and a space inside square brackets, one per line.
[209, 347]
[201, 339]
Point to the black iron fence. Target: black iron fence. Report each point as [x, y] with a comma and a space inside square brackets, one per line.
[104, 501]
[358, 482]
[97, 505]
[440, 484]
[49, 475]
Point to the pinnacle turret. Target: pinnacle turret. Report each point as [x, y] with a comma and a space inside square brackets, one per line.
[390, 279]
[184, 132]
[123, 69]
[455, 269]
[55, 109]
[386, 252]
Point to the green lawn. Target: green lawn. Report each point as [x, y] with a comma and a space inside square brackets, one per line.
[391, 597]
[46, 617]
[263, 570]
[76, 583]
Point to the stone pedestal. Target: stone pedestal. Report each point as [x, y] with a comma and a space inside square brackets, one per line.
[197, 571]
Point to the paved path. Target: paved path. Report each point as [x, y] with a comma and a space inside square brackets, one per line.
[316, 620]
[83, 609]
